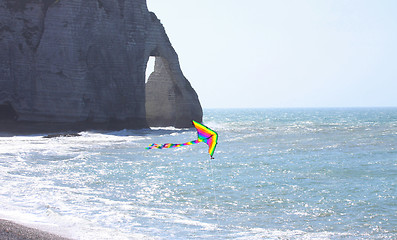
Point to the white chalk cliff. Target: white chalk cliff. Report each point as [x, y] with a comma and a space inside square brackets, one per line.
[83, 63]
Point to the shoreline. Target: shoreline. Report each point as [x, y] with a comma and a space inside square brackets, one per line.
[16, 128]
[14, 231]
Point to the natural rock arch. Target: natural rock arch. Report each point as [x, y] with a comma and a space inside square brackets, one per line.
[170, 99]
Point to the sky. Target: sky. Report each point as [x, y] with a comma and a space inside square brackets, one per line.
[285, 53]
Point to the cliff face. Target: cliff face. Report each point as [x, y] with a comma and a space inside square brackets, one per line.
[84, 61]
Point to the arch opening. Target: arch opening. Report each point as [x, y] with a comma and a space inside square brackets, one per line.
[149, 67]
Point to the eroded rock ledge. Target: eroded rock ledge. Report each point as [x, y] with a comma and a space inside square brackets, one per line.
[82, 63]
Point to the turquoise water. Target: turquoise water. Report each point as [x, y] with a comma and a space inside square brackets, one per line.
[277, 173]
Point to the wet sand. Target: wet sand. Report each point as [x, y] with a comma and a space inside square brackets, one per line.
[13, 231]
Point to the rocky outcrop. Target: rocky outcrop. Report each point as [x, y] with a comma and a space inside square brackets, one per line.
[170, 100]
[83, 62]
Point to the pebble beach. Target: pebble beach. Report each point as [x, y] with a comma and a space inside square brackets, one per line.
[13, 231]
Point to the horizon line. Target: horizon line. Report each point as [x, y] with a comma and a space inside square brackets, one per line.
[327, 107]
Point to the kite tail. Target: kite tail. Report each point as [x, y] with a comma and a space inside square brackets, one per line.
[172, 145]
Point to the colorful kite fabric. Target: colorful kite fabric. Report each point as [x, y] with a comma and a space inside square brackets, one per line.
[172, 145]
[210, 137]
[204, 134]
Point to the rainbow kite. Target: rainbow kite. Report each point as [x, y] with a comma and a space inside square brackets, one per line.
[204, 134]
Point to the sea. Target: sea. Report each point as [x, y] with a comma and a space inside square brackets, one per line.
[276, 174]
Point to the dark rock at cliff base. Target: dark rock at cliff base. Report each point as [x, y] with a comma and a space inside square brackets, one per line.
[83, 62]
[62, 135]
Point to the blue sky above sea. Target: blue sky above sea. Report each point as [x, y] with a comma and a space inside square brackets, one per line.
[285, 54]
